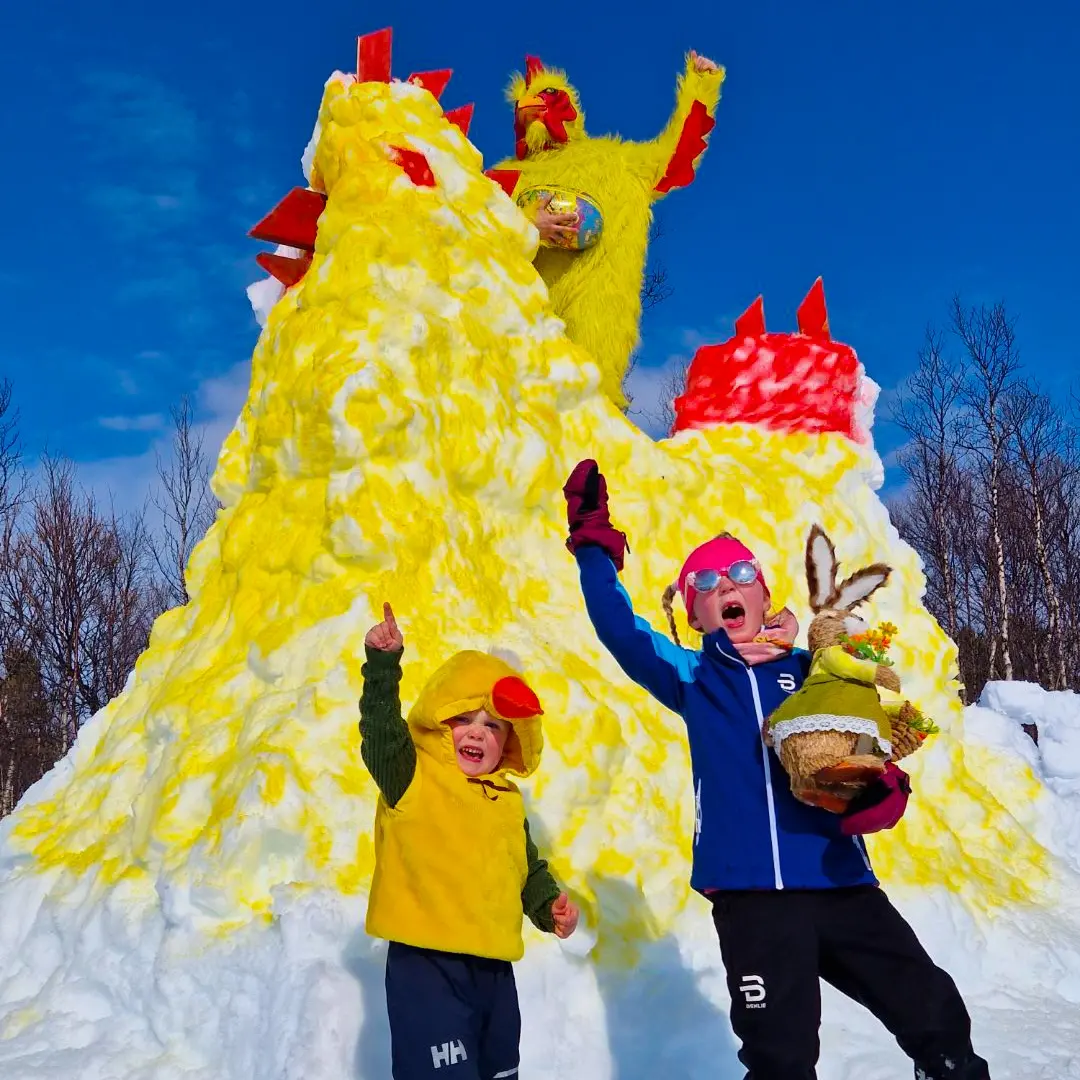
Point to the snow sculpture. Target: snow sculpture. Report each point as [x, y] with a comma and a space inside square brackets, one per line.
[190, 880]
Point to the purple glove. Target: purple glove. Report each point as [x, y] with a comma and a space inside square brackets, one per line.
[587, 513]
[880, 806]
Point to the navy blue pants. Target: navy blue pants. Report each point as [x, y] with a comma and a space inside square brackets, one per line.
[777, 945]
[451, 1015]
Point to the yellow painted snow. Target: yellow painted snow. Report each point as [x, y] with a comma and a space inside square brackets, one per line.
[413, 412]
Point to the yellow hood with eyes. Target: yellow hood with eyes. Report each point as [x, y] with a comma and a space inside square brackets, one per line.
[465, 684]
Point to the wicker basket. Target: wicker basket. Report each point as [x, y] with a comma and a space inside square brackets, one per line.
[905, 739]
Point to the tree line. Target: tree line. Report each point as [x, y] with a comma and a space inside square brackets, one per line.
[80, 588]
[991, 501]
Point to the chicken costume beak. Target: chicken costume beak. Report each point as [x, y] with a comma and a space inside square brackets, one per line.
[533, 102]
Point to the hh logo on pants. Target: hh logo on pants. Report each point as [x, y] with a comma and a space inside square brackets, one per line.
[450, 1053]
[752, 988]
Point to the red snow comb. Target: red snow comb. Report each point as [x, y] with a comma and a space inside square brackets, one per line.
[751, 323]
[812, 315]
[294, 221]
[373, 56]
[434, 82]
[461, 118]
[512, 699]
[285, 269]
[803, 382]
[506, 179]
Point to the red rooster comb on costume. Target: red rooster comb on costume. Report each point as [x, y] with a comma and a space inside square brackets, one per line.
[533, 66]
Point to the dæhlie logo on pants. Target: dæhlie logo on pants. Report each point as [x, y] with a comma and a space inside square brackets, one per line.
[752, 989]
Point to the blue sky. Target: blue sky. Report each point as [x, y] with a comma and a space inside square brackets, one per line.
[904, 152]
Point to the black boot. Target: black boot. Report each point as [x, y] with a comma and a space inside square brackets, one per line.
[971, 1067]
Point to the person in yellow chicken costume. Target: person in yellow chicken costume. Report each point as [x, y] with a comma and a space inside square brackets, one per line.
[596, 290]
[455, 867]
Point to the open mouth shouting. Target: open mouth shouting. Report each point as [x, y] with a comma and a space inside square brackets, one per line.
[478, 742]
[734, 615]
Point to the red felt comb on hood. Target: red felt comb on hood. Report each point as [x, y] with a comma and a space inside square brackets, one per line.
[513, 699]
[533, 66]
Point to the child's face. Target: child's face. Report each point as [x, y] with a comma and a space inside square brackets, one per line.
[479, 741]
[739, 609]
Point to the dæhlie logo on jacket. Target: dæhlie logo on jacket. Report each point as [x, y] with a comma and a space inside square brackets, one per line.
[752, 989]
[786, 682]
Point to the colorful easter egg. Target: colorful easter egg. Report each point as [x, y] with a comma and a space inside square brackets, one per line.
[589, 224]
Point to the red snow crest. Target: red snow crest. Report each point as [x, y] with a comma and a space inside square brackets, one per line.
[785, 382]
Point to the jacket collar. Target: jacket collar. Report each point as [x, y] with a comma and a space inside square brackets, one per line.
[718, 645]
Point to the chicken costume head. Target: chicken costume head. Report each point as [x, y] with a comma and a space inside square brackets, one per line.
[472, 680]
[547, 111]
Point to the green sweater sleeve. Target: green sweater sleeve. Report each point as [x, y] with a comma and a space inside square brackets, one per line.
[541, 890]
[386, 745]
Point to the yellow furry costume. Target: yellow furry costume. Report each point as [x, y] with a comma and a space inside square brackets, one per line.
[597, 292]
[452, 854]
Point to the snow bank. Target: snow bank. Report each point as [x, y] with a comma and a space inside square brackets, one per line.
[103, 988]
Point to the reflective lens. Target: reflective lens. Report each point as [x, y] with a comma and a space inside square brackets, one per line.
[741, 572]
[703, 580]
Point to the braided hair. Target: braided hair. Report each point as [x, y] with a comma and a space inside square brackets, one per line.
[669, 609]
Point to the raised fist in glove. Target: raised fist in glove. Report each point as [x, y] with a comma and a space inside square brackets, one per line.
[587, 513]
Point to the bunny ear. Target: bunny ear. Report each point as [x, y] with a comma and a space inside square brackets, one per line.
[820, 568]
[861, 584]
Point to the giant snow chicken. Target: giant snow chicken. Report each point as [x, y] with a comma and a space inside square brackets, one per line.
[597, 291]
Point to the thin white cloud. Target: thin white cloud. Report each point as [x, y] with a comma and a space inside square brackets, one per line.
[142, 422]
[652, 388]
[126, 481]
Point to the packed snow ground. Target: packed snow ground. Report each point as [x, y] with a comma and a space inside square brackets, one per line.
[135, 988]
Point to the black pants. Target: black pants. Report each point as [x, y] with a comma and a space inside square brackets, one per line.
[451, 1016]
[776, 946]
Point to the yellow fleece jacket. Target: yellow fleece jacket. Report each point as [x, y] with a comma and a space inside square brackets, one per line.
[450, 858]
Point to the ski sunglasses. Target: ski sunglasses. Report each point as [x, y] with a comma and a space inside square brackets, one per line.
[742, 572]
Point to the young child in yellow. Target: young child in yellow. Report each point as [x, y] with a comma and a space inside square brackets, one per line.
[455, 867]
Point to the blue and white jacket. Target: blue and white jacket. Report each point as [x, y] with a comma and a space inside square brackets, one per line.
[751, 832]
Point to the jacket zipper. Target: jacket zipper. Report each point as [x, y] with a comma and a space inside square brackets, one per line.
[773, 839]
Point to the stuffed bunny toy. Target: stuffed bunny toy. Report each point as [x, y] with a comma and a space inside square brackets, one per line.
[833, 736]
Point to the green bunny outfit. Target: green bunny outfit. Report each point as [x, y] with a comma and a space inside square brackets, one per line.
[838, 695]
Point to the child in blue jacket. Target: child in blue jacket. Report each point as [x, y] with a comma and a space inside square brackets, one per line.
[794, 896]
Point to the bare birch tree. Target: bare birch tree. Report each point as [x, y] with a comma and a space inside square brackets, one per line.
[991, 363]
[185, 502]
[12, 480]
[1045, 464]
[655, 289]
[927, 411]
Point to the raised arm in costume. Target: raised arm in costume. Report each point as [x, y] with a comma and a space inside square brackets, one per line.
[596, 289]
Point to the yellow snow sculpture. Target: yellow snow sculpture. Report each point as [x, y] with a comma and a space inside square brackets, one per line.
[414, 409]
